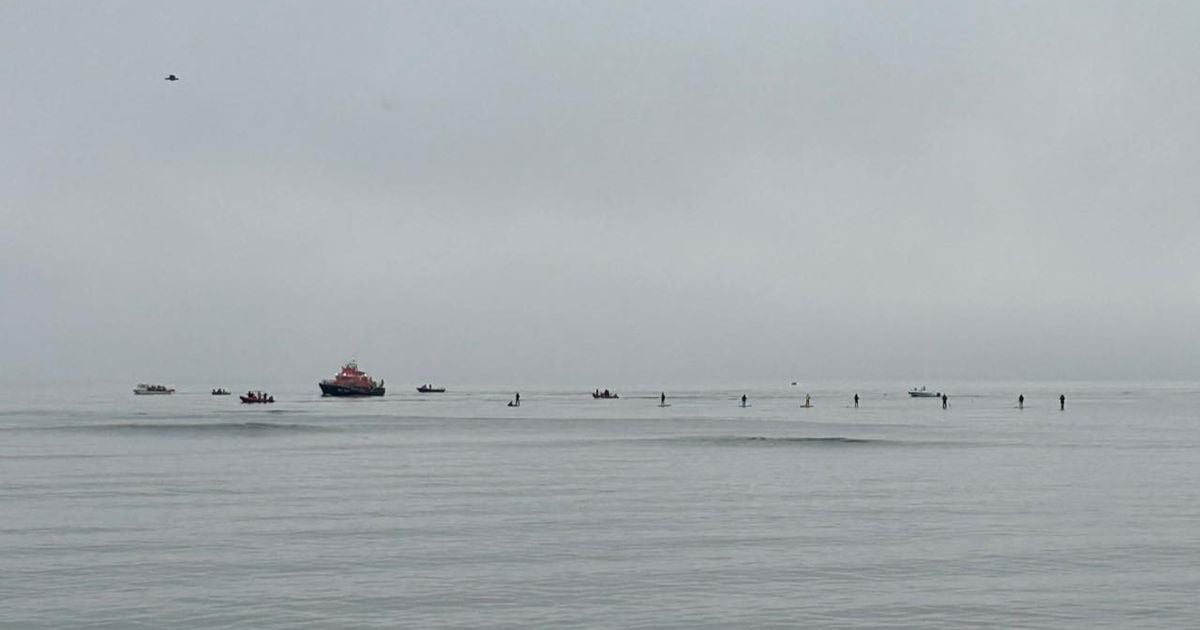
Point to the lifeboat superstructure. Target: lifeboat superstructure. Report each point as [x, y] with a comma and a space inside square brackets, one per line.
[351, 381]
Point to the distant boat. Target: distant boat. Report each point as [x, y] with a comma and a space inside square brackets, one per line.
[923, 393]
[220, 391]
[351, 381]
[143, 389]
[430, 389]
[257, 397]
[606, 395]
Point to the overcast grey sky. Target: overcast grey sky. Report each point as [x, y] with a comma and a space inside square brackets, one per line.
[599, 193]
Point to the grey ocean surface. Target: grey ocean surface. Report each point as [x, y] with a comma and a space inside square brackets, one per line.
[452, 510]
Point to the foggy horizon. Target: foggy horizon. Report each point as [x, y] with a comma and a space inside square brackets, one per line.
[599, 194]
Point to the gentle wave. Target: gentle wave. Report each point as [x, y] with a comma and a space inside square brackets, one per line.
[192, 427]
[815, 441]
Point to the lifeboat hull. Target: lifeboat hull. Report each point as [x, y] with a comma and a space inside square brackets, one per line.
[334, 389]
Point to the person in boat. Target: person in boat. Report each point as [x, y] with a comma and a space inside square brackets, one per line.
[662, 398]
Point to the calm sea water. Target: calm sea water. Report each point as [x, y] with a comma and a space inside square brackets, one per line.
[452, 510]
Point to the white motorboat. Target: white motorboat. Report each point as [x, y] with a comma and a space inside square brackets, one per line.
[153, 390]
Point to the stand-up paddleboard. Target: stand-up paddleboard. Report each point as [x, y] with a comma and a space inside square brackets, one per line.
[514, 404]
[664, 404]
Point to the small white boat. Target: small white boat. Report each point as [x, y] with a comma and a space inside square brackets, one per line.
[923, 393]
[143, 389]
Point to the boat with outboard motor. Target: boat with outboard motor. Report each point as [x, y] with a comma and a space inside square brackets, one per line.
[605, 395]
[430, 389]
[220, 391]
[923, 393]
[351, 381]
[257, 397]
